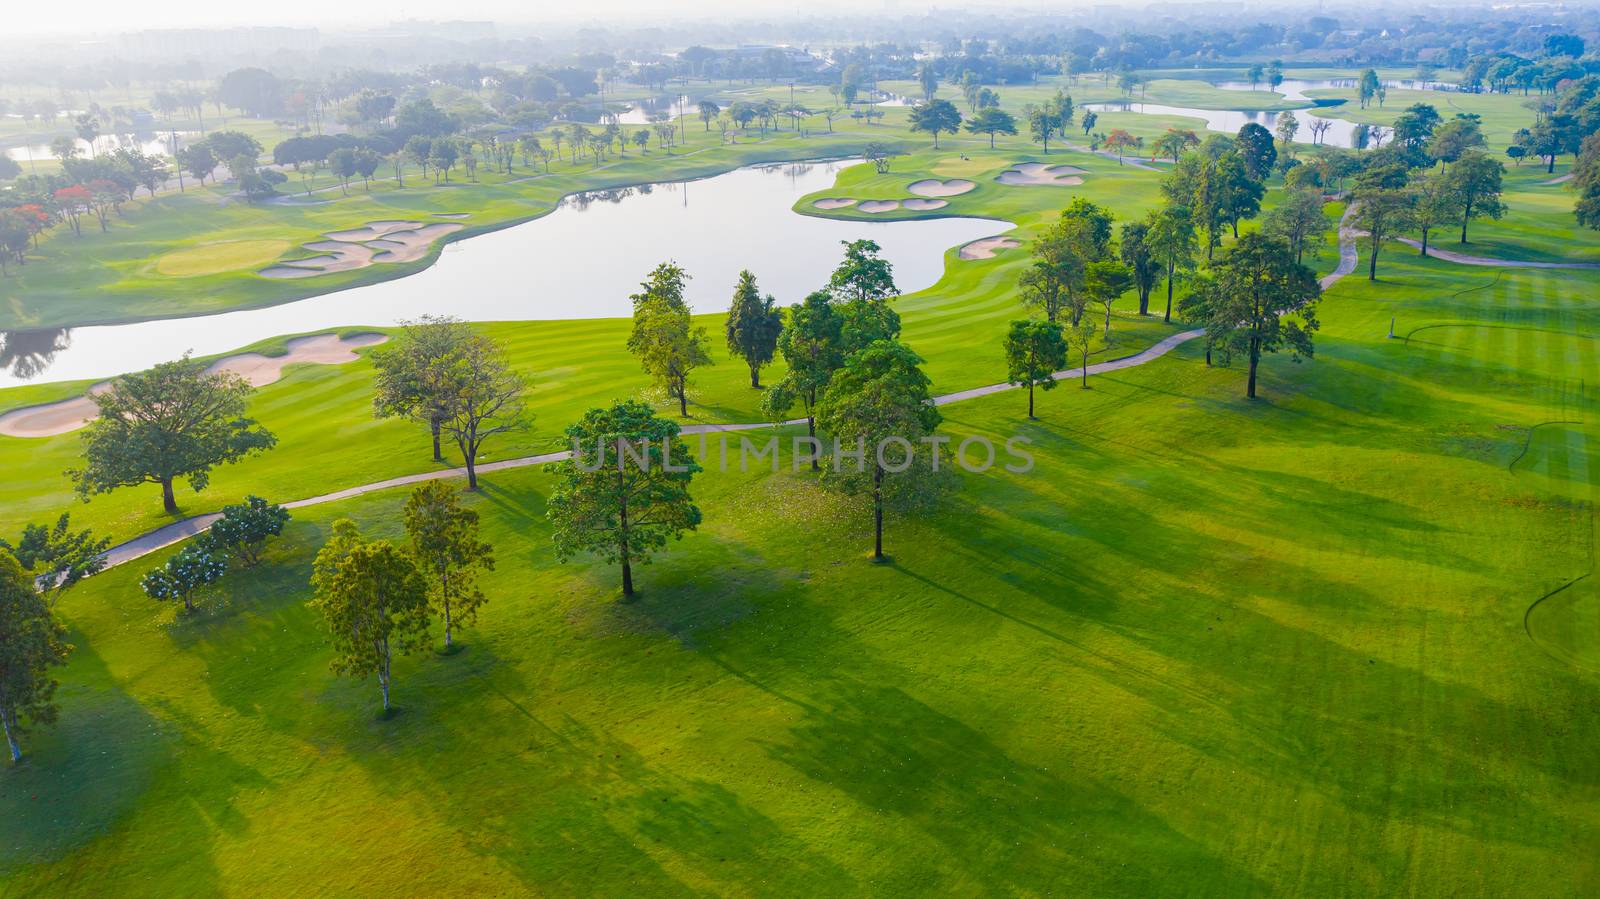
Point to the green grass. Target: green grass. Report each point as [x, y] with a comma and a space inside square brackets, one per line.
[1200, 637]
[1207, 645]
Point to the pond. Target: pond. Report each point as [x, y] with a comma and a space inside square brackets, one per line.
[153, 145]
[580, 261]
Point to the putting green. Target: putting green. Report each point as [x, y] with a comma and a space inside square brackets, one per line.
[215, 258]
[955, 166]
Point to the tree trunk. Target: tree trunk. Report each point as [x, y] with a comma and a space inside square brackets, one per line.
[1372, 264]
[168, 501]
[683, 402]
[1171, 270]
[469, 452]
[1144, 301]
[877, 511]
[438, 455]
[7, 720]
[1424, 241]
[383, 682]
[755, 377]
[622, 530]
[1255, 359]
[1466, 216]
[811, 431]
[1030, 400]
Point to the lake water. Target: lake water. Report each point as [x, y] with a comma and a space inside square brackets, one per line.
[151, 145]
[580, 261]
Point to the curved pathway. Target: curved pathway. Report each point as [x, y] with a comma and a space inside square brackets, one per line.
[1465, 259]
[160, 538]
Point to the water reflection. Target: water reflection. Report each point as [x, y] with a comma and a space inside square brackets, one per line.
[26, 354]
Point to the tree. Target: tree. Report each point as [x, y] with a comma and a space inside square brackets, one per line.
[1035, 351]
[31, 643]
[1368, 87]
[1142, 266]
[1056, 281]
[812, 343]
[1384, 213]
[445, 544]
[1258, 301]
[1105, 281]
[991, 121]
[409, 380]
[664, 337]
[1474, 182]
[1175, 142]
[58, 558]
[1586, 182]
[1238, 196]
[186, 574]
[1043, 122]
[928, 80]
[709, 110]
[375, 603]
[1172, 244]
[936, 117]
[1287, 127]
[1120, 142]
[1433, 203]
[753, 325]
[879, 399]
[482, 397]
[1454, 138]
[243, 529]
[342, 162]
[176, 420]
[1298, 221]
[863, 284]
[625, 491]
[1257, 151]
[64, 148]
[255, 92]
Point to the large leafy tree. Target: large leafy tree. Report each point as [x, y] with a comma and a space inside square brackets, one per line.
[1384, 213]
[1142, 264]
[936, 117]
[1258, 300]
[1194, 185]
[175, 420]
[879, 403]
[812, 343]
[862, 285]
[374, 600]
[409, 380]
[1238, 193]
[664, 337]
[1056, 282]
[1586, 181]
[1257, 150]
[31, 643]
[445, 544]
[1035, 351]
[753, 325]
[992, 120]
[1298, 221]
[1172, 244]
[1474, 182]
[625, 491]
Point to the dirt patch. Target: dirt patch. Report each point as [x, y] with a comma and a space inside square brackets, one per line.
[834, 202]
[876, 206]
[70, 415]
[934, 188]
[987, 247]
[1037, 174]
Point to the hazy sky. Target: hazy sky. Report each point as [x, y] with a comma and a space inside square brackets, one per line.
[107, 16]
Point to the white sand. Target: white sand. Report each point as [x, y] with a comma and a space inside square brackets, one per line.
[1039, 173]
[834, 202]
[872, 206]
[924, 205]
[387, 241]
[452, 215]
[986, 248]
[70, 415]
[933, 187]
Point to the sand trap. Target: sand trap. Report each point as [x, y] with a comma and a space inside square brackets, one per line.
[987, 247]
[935, 188]
[385, 241]
[1039, 173]
[834, 202]
[70, 415]
[924, 205]
[872, 206]
[452, 215]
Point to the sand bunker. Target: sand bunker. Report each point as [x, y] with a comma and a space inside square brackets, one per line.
[924, 205]
[935, 188]
[987, 247]
[1039, 173]
[258, 369]
[873, 206]
[451, 215]
[834, 202]
[384, 241]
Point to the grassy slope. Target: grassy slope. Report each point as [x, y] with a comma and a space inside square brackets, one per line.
[1248, 648]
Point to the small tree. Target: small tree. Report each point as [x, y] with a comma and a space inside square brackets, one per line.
[1035, 351]
[1258, 301]
[444, 541]
[186, 574]
[1384, 213]
[1433, 203]
[374, 601]
[483, 398]
[936, 117]
[175, 420]
[1120, 142]
[58, 558]
[243, 529]
[664, 337]
[992, 120]
[31, 643]
[1474, 181]
[625, 491]
[1080, 337]
[877, 401]
[410, 373]
[753, 325]
[812, 343]
[1142, 265]
[1298, 221]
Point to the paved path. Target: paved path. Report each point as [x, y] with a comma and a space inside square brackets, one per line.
[1465, 259]
[145, 544]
